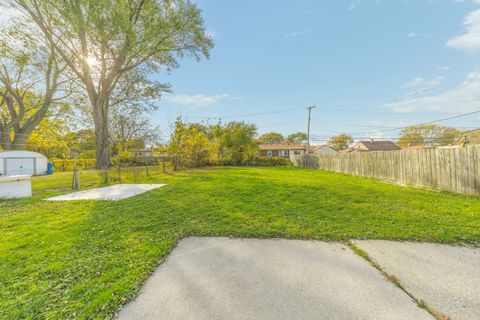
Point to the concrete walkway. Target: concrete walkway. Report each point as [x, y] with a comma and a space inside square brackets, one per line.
[447, 278]
[221, 278]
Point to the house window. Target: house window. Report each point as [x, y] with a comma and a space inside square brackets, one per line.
[283, 153]
[269, 153]
[297, 152]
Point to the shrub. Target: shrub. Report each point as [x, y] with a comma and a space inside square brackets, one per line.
[271, 162]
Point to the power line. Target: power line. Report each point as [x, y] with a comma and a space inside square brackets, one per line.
[461, 134]
[353, 124]
[249, 114]
[364, 112]
[417, 124]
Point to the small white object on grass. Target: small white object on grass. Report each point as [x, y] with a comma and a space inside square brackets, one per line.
[19, 186]
[113, 192]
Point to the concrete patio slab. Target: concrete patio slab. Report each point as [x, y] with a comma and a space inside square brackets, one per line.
[114, 192]
[221, 278]
[445, 277]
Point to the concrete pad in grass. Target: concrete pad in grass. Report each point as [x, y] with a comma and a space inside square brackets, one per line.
[221, 278]
[446, 277]
[113, 192]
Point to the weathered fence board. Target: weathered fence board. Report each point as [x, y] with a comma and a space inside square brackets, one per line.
[456, 169]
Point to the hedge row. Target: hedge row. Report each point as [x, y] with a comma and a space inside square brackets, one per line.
[271, 162]
[83, 164]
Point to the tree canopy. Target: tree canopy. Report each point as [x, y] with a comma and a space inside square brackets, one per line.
[340, 142]
[33, 84]
[271, 137]
[428, 134]
[102, 40]
[198, 144]
[298, 137]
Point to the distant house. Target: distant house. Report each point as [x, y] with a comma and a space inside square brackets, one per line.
[283, 150]
[143, 155]
[372, 145]
[322, 150]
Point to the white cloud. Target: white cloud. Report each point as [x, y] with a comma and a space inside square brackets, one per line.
[462, 1]
[463, 98]
[354, 5]
[420, 85]
[444, 68]
[295, 34]
[198, 100]
[470, 40]
[374, 135]
[412, 35]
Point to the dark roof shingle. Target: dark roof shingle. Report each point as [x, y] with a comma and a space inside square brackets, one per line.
[379, 145]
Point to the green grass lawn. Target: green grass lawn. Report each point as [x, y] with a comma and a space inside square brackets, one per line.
[84, 259]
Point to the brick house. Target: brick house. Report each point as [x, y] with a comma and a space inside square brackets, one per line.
[283, 150]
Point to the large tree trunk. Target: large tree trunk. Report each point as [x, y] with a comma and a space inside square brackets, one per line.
[102, 135]
[5, 141]
[102, 147]
[19, 142]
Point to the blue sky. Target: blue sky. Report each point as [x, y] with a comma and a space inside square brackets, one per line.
[367, 65]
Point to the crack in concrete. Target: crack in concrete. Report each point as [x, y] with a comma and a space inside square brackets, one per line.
[420, 303]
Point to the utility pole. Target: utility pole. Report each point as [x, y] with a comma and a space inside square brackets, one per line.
[308, 130]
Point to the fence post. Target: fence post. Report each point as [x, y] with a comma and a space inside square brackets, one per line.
[107, 180]
[146, 169]
[76, 179]
[164, 169]
[119, 170]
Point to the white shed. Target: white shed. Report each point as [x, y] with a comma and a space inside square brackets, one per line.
[14, 163]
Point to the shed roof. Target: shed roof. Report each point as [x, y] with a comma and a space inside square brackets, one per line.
[324, 146]
[20, 154]
[379, 145]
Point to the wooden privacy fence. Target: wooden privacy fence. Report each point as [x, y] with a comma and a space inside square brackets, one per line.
[451, 169]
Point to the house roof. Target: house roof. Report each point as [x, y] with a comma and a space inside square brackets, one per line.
[315, 148]
[281, 146]
[20, 154]
[379, 145]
